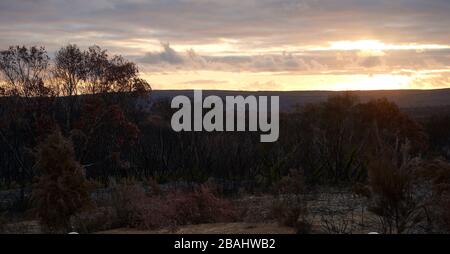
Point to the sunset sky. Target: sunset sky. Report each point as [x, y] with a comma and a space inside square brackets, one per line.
[251, 44]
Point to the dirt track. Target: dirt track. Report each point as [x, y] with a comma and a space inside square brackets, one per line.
[216, 228]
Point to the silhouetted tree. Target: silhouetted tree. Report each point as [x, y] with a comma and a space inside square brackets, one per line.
[70, 68]
[335, 137]
[26, 109]
[97, 64]
[24, 69]
[60, 190]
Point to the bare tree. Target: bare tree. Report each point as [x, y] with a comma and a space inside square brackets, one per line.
[69, 71]
[70, 68]
[24, 69]
[97, 65]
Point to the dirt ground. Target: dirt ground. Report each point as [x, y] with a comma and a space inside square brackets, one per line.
[328, 212]
[215, 228]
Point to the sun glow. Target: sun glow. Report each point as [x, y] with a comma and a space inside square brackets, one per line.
[283, 82]
[359, 71]
[376, 82]
[377, 45]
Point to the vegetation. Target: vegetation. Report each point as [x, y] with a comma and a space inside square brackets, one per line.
[84, 117]
[60, 190]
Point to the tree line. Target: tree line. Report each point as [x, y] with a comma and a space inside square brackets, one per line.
[96, 102]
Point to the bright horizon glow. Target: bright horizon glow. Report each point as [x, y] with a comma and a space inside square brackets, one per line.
[376, 76]
[288, 82]
[377, 45]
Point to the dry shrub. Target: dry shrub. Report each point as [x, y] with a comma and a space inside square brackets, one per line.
[292, 212]
[437, 172]
[214, 186]
[201, 206]
[362, 190]
[444, 213]
[154, 186]
[393, 196]
[125, 199]
[3, 222]
[255, 209]
[420, 188]
[135, 208]
[290, 209]
[335, 225]
[98, 219]
[293, 183]
[153, 212]
[10, 225]
[60, 190]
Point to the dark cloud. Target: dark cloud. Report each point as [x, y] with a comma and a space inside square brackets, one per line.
[370, 62]
[308, 62]
[190, 60]
[168, 55]
[261, 23]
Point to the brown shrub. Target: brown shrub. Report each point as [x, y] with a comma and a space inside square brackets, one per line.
[293, 183]
[154, 186]
[153, 212]
[98, 219]
[290, 208]
[137, 209]
[393, 196]
[200, 206]
[255, 209]
[125, 198]
[444, 212]
[60, 190]
[292, 211]
[437, 172]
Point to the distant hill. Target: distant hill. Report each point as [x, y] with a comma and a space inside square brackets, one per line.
[410, 100]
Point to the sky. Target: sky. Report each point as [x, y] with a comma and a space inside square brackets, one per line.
[251, 44]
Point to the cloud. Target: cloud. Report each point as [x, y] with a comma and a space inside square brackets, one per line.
[169, 58]
[307, 62]
[370, 62]
[239, 36]
[167, 55]
[252, 23]
[431, 80]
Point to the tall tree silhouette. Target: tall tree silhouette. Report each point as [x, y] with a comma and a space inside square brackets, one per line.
[24, 69]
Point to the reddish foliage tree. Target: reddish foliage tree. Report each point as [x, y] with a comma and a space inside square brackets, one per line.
[60, 189]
